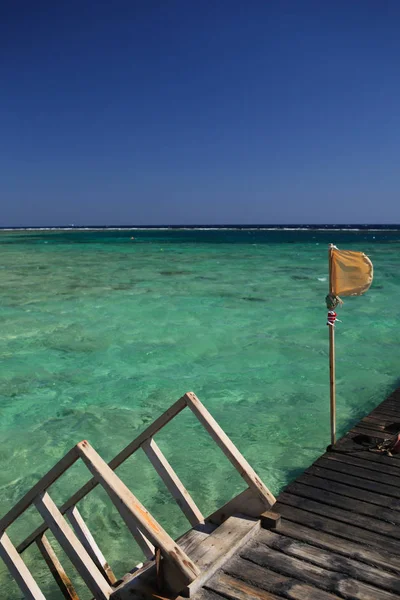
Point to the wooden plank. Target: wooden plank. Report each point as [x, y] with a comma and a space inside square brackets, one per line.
[363, 484]
[358, 506]
[201, 595]
[42, 485]
[374, 433]
[88, 542]
[137, 583]
[349, 445]
[331, 561]
[379, 465]
[122, 496]
[360, 472]
[386, 413]
[320, 539]
[235, 589]
[387, 422]
[229, 449]
[19, 570]
[151, 430]
[133, 525]
[315, 575]
[172, 481]
[341, 529]
[192, 538]
[219, 546]
[73, 548]
[56, 569]
[349, 491]
[345, 516]
[371, 457]
[271, 581]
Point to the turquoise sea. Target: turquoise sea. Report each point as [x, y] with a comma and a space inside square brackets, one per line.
[101, 333]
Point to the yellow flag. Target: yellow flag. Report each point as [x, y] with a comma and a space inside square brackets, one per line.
[351, 272]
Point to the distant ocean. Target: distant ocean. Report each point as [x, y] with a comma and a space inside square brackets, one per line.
[101, 333]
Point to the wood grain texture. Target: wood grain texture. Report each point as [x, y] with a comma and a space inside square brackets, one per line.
[56, 569]
[230, 450]
[123, 497]
[73, 547]
[172, 482]
[19, 570]
[88, 542]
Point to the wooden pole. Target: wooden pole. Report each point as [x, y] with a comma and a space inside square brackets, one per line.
[332, 378]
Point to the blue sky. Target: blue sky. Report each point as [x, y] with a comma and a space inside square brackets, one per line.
[154, 112]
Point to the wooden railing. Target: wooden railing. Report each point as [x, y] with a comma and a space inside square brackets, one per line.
[76, 539]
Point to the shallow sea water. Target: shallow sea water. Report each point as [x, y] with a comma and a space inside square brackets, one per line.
[100, 334]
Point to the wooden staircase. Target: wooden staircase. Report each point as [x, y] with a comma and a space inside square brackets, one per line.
[171, 567]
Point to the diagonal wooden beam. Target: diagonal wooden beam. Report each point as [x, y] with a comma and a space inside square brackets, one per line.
[122, 496]
[73, 548]
[151, 430]
[42, 485]
[173, 483]
[83, 534]
[230, 450]
[19, 570]
[56, 568]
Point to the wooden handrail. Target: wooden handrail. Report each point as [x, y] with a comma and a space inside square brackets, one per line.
[229, 449]
[173, 483]
[151, 430]
[80, 546]
[122, 496]
[41, 486]
[189, 399]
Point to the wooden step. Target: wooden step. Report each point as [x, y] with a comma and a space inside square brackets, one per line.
[208, 546]
[219, 546]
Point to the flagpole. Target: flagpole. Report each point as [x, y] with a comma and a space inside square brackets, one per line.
[332, 378]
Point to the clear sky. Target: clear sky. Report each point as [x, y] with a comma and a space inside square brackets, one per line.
[199, 111]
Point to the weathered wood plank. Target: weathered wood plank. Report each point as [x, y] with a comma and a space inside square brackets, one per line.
[133, 525]
[358, 506]
[151, 430]
[271, 581]
[331, 561]
[229, 449]
[374, 433]
[122, 496]
[320, 539]
[380, 466]
[349, 491]
[360, 472]
[56, 569]
[89, 543]
[42, 485]
[338, 528]
[363, 484]
[19, 570]
[371, 457]
[367, 524]
[203, 594]
[385, 413]
[315, 575]
[235, 589]
[73, 547]
[219, 546]
[172, 481]
[192, 538]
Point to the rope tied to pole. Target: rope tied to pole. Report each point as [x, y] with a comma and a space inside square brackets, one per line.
[332, 301]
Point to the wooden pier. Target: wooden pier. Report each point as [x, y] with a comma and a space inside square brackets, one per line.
[333, 533]
[338, 535]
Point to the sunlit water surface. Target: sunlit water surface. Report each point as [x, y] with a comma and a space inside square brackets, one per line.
[101, 333]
